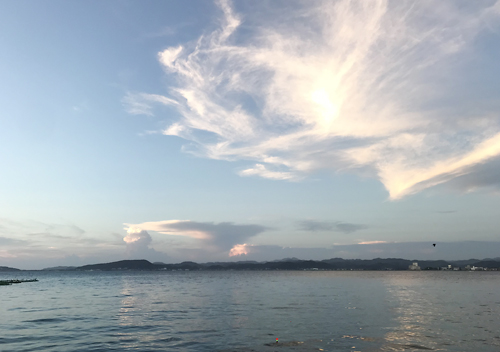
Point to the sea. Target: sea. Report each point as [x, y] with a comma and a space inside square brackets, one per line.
[243, 311]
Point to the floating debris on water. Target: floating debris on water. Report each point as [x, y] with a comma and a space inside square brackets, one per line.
[285, 344]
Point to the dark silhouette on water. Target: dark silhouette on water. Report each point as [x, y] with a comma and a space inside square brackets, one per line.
[10, 282]
[434, 244]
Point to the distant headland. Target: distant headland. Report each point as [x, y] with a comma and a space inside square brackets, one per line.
[6, 268]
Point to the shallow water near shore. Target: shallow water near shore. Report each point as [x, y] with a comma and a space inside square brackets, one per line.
[247, 311]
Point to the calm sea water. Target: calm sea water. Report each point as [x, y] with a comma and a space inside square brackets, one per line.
[247, 311]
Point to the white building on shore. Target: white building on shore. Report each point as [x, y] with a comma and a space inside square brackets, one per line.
[414, 266]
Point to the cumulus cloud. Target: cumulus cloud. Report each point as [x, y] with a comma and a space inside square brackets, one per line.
[137, 237]
[339, 85]
[345, 227]
[239, 249]
[223, 236]
[138, 245]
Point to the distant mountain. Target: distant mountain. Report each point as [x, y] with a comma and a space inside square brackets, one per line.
[60, 268]
[141, 264]
[224, 264]
[6, 268]
[292, 259]
[288, 264]
[488, 264]
[465, 262]
[377, 264]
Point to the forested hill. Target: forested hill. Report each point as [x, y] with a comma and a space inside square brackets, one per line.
[121, 265]
[289, 264]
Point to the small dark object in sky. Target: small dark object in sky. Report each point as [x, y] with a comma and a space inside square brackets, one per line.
[434, 244]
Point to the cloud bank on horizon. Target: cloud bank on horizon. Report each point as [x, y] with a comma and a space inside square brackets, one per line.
[376, 249]
[29, 244]
[345, 227]
[215, 242]
[221, 237]
[347, 86]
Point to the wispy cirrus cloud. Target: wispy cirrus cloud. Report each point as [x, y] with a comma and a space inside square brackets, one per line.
[338, 85]
[262, 171]
[372, 242]
[142, 103]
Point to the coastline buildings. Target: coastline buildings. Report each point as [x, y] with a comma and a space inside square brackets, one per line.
[414, 266]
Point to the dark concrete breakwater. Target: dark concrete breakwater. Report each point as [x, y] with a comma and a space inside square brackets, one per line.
[10, 282]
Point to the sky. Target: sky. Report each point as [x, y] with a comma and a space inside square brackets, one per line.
[227, 131]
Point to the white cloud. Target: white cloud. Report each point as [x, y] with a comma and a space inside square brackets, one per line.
[239, 249]
[372, 242]
[261, 170]
[137, 237]
[172, 227]
[336, 85]
[138, 245]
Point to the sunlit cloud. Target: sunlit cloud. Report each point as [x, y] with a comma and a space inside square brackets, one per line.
[213, 237]
[338, 85]
[239, 249]
[173, 227]
[261, 170]
[137, 236]
[6, 254]
[138, 245]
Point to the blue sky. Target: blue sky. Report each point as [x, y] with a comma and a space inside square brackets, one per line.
[209, 131]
